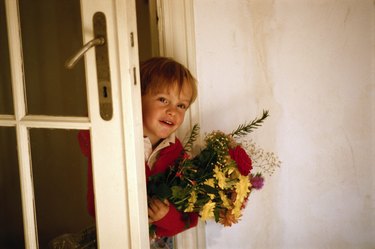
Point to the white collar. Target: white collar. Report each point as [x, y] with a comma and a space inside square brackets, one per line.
[150, 154]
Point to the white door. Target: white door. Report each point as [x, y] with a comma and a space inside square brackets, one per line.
[43, 105]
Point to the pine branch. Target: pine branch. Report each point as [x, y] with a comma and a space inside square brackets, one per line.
[188, 146]
[246, 128]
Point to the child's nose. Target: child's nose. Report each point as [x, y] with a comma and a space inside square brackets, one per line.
[171, 110]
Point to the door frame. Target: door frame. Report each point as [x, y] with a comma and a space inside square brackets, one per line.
[177, 40]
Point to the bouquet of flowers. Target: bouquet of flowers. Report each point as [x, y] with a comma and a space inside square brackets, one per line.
[217, 182]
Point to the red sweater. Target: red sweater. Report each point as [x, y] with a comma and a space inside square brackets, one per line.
[173, 222]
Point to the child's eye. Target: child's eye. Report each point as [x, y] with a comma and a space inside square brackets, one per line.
[182, 106]
[163, 100]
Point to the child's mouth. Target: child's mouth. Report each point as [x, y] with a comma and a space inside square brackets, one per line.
[167, 122]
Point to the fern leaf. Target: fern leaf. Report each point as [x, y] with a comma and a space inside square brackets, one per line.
[188, 146]
[246, 128]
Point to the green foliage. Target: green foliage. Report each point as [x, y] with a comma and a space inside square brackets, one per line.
[217, 214]
[188, 145]
[158, 187]
[179, 192]
[246, 128]
[208, 189]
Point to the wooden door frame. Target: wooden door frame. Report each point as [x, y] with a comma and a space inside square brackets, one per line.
[177, 40]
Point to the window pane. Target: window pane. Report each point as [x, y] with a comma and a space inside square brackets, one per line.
[60, 180]
[11, 224]
[6, 98]
[51, 33]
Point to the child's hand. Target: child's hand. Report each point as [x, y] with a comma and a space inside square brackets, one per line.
[157, 209]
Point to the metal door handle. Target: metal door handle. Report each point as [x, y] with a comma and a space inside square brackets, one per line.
[69, 64]
[102, 64]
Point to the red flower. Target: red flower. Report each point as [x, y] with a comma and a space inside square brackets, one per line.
[243, 161]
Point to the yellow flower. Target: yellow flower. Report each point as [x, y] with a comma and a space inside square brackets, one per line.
[207, 211]
[234, 173]
[210, 182]
[189, 208]
[230, 171]
[227, 218]
[236, 211]
[225, 199]
[192, 200]
[242, 188]
[220, 177]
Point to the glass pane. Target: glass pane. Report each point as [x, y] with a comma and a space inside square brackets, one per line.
[60, 180]
[6, 98]
[51, 33]
[11, 224]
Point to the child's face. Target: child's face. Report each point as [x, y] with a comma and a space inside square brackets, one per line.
[164, 112]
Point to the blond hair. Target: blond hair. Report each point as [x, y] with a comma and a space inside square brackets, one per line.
[159, 73]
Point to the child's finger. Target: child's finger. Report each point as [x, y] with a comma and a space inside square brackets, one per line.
[151, 215]
[161, 204]
[153, 207]
[157, 209]
[166, 202]
[154, 203]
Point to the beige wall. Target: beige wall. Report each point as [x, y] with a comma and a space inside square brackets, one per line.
[311, 63]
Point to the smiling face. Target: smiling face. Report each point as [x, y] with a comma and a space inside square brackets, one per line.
[164, 111]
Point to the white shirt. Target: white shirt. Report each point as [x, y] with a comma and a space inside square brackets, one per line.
[151, 155]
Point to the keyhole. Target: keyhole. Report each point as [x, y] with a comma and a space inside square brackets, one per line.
[105, 93]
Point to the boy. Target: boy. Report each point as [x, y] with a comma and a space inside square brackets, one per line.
[167, 89]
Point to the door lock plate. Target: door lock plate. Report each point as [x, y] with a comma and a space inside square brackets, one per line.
[102, 68]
